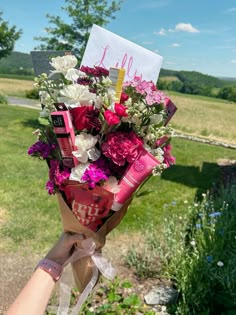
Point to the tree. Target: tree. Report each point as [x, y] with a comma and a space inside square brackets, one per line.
[82, 15]
[8, 36]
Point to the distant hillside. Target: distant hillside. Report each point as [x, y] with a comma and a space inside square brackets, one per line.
[17, 63]
[194, 77]
[21, 63]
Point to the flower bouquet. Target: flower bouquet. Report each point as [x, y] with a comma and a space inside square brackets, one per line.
[102, 138]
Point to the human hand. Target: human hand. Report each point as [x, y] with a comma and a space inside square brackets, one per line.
[64, 247]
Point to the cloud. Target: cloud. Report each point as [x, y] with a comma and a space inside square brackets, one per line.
[230, 10]
[180, 27]
[233, 61]
[186, 27]
[175, 45]
[162, 32]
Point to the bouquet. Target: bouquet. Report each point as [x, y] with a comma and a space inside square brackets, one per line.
[102, 137]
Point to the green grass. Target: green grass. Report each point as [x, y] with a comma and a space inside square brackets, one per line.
[17, 76]
[31, 218]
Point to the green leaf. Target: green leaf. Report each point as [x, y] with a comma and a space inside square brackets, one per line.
[126, 284]
[132, 300]
[43, 121]
[113, 297]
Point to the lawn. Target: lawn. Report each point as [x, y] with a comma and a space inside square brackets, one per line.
[29, 217]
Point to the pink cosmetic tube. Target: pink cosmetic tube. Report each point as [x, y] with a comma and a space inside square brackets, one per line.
[136, 173]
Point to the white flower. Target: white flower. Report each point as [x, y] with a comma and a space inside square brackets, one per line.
[220, 264]
[136, 120]
[112, 185]
[109, 98]
[77, 95]
[156, 119]
[158, 152]
[193, 243]
[86, 148]
[72, 74]
[98, 101]
[141, 106]
[106, 81]
[78, 171]
[62, 64]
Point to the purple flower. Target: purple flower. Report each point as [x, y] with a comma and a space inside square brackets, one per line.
[50, 187]
[56, 176]
[198, 225]
[209, 258]
[41, 149]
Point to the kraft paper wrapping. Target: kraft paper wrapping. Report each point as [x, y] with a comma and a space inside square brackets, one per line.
[82, 268]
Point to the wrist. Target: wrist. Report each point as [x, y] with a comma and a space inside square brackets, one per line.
[51, 267]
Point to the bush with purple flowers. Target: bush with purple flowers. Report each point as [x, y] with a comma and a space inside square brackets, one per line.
[197, 253]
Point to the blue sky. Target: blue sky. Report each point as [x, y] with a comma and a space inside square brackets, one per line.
[193, 35]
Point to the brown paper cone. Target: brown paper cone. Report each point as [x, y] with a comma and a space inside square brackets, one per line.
[82, 268]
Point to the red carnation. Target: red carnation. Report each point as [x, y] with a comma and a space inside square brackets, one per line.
[85, 117]
[124, 97]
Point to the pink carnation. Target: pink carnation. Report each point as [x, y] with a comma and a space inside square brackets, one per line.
[111, 117]
[122, 147]
[120, 110]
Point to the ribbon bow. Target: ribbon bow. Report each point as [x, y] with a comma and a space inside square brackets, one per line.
[100, 264]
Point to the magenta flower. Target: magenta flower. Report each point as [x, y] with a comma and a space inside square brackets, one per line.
[56, 177]
[50, 187]
[122, 147]
[111, 117]
[96, 71]
[41, 149]
[120, 110]
[97, 172]
[168, 158]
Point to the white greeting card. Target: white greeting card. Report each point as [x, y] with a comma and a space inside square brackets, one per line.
[106, 49]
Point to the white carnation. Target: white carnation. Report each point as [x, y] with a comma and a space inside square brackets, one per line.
[62, 64]
[86, 147]
[77, 95]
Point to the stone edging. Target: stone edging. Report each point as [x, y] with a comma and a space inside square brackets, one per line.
[204, 140]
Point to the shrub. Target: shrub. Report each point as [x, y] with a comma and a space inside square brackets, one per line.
[197, 251]
[3, 99]
[33, 94]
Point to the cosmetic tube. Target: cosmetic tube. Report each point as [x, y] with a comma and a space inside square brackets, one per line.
[136, 173]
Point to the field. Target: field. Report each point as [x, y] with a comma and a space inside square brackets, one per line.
[15, 87]
[205, 116]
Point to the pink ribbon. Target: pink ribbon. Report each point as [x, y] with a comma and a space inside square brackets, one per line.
[100, 264]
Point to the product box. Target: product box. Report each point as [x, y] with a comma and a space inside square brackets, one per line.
[64, 131]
